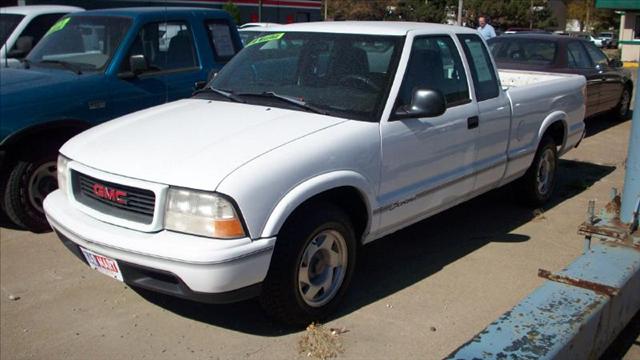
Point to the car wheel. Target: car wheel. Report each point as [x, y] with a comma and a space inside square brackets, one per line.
[311, 266]
[621, 111]
[537, 185]
[29, 182]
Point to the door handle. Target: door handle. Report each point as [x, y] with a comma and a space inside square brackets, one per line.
[472, 122]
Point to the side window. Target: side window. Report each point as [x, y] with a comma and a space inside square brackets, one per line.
[482, 71]
[34, 31]
[166, 46]
[435, 64]
[220, 37]
[597, 56]
[577, 56]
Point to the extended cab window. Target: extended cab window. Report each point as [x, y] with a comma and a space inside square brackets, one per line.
[482, 71]
[597, 56]
[220, 37]
[435, 64]
[165, 46]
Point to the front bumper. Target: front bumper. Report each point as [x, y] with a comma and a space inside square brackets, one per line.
[186, 266]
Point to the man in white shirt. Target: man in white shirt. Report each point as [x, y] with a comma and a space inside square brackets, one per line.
[485, 29]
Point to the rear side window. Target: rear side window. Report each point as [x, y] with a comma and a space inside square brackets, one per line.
[220, 37]
[577, 57]
[482, 71]
[597, 56]
[435, 64]
[525, 51]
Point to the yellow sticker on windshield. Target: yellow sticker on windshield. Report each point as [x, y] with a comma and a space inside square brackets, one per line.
[59, 25]
[266, 38]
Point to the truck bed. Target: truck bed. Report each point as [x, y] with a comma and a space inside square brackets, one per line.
[516, 78]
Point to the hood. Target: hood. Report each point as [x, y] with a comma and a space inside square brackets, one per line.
[191, 143]
[14, 80]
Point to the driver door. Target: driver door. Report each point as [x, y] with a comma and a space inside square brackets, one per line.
[427, 163]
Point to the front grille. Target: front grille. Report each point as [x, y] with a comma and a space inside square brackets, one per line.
[137, 205]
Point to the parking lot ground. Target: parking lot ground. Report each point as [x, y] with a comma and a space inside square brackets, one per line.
[419, 293]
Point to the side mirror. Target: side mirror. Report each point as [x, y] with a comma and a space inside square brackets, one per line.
[138, 64]
[424, 103]
[615, 63]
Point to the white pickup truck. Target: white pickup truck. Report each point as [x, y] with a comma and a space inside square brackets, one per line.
[313, 140]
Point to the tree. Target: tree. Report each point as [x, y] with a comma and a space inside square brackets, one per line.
[360, 9]
[590, 18]
[233, 10]
[420, 10]
[510, 13]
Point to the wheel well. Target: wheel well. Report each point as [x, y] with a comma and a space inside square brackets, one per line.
[556, 131]
[629, 85]
[32, 141]
[348, 199]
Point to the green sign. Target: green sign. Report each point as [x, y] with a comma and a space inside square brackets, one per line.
[59, 25]
[266, 38]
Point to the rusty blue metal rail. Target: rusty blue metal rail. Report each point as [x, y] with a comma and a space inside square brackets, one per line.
[579, 311]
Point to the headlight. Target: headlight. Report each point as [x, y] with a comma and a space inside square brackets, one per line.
[63, 173]
[202, 213]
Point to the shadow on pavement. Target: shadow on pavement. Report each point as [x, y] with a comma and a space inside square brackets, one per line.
[406, 257]
[628, 338]
[602, 122]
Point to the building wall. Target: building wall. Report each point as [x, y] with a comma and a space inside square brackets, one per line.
[629, 39]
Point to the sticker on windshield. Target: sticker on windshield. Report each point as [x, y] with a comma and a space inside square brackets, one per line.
[59, 25]
[266, 38]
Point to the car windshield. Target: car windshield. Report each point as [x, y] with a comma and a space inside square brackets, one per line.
[8, 23]
[247, 35]
[344, 75]
[84, 42]
[523, 50]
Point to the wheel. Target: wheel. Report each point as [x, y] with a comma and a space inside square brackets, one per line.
[621, 111]
[537, 184]
[28, 184]
[311, 266]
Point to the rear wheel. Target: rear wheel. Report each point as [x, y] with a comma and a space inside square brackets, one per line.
[29, 182]
[311, 266]
[621, 111]
[537, 185]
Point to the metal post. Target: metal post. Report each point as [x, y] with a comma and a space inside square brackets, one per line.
[631, 193]
[260, 11]
[326, 9]
[460, 12]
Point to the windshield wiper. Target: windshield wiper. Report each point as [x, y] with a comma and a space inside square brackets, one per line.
[226, 93]
[64, 64]
[288, 99]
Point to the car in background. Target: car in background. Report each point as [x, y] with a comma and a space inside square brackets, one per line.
[21, 27]
[609, 39]
[609, 86]
[517, 30]
[90, 67]
[250, 31]
[588, 37]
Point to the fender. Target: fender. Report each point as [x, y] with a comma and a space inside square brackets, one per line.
[548, 121]
[314, 186]
[19, 135]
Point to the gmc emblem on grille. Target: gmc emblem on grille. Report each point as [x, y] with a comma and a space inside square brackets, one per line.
[106, 193]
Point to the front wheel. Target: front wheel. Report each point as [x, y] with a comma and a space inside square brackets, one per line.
[311, 266]
[536, 186]
[29, 182]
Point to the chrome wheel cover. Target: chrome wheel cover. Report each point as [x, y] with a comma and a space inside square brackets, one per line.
[43, 181]
[322, 268]
[545, 173]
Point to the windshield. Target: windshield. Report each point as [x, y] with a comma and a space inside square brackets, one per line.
[523, 50]
[86, 42]
[247, 35]
[8, 23]
[341, 74]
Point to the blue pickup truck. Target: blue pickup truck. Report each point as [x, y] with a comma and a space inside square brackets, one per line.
[91, 67]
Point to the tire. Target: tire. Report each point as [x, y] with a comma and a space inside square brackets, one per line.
[536, 186]
[28, 184]
[621, 111]
[299, 269]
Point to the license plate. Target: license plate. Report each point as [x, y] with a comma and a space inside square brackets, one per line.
[103, 264]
